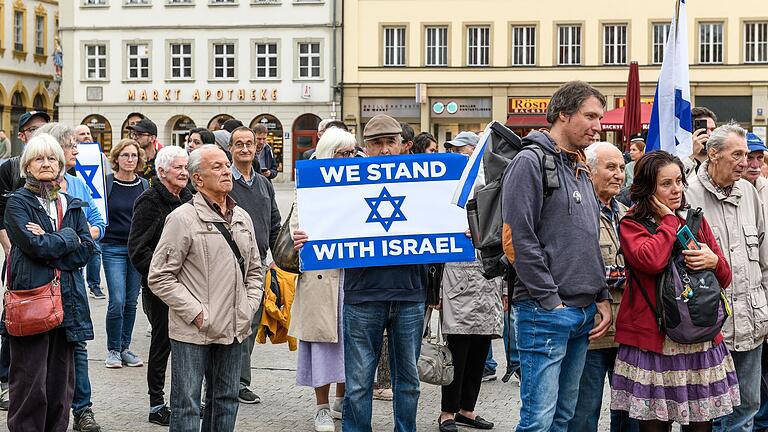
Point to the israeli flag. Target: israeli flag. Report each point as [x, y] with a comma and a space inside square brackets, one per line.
[472, 172]
[671, 126]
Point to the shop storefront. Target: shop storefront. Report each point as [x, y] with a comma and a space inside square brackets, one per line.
[304, 133]
[527, 114]
[449, 116]
[180, 127]
[402, 109]
[101, 131]
[274, 136]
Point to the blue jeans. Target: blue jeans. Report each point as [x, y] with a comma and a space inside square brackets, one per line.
[93, 269]
[748, 371]
[553, 347]
[364, 326]
[220, 365]
[599, 363]
[510, 346]
[124, 284]
[82, 397]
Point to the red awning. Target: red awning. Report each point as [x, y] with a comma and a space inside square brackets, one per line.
[527, 120]
[613, 120]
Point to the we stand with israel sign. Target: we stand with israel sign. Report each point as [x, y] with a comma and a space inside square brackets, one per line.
[379, 211]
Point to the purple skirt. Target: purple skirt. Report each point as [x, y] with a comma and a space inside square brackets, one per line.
[322, 363]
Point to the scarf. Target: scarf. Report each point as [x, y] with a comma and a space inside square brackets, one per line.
[48, 190]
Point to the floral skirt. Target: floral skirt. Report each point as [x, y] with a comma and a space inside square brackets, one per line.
[686, 383]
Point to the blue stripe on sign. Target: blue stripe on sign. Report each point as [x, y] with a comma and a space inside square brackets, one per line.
[379, 170]
[385, 251]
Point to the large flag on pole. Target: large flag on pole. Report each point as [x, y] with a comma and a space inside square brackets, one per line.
[671, 126]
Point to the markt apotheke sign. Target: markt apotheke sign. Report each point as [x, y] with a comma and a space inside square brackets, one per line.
[206, 94]
[462, 107]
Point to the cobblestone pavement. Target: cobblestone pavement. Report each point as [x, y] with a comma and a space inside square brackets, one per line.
[120, 399]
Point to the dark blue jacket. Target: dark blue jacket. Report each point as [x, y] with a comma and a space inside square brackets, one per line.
[33, 258]
[406, 283]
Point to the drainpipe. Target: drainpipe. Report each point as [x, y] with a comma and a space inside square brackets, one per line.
[334, 80]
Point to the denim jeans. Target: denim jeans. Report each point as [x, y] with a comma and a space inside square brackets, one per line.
[364, 326]
[124, 284]
[748, 371]
[82, 397]
[93, 269]
[553, 347]
[599, 363]
[220, 365]
[510, 345]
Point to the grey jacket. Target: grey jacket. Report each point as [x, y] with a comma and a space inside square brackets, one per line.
[739, 226]
[471, 303]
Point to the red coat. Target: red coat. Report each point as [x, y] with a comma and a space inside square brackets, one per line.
[648, 255]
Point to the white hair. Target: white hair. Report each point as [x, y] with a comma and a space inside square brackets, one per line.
[59, 131]
[41, 145]
[718, 136]
[331, 140]
[323, 124]
[592, 150]
[167, 155]
[196, 157]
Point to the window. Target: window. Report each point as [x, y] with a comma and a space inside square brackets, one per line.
[523, 45]
[138, 2]
[181, 2]
[39, 35]
[138, 61]
[711, 43]
[224, 60]
[615, 44]
[478, 46]
[756, 42]
[436, 46]
[181, 60]
[659, 43]
[569, 45]
[266, 60]
[95, 61]
[94, 2]
[18, 30]
[394, 46]
[223, 2]
[309, 59]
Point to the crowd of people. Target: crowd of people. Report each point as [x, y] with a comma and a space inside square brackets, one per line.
[189, 231]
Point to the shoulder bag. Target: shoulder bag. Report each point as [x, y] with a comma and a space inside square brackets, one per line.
[285, 256]
[435, 364]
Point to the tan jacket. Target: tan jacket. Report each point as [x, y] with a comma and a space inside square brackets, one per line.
[761, 184]
[739, 227]
[609, 249]
[193, 269]
[315, 310]
[472, 304]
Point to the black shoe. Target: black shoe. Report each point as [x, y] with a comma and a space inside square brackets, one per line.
[85, 422]
[477, 423]
[246, 396]
[447, 425]
[161, 417]
[510, 373]
[96, 292]
[489, 375]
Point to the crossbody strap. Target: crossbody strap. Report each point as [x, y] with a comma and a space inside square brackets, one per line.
[228, 237]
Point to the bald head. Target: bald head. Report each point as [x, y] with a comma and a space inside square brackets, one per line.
[83, 134]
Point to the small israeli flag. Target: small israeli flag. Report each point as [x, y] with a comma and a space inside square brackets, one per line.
[466, 187]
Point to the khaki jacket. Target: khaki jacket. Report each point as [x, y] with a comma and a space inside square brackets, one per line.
[609, 249]
[761, 184]
[193, 269]
[315, 310]
[739, 227]
[471, 303]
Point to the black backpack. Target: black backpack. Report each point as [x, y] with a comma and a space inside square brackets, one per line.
[691, 307]
[484, 209]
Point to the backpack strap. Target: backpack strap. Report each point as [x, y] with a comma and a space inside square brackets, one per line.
[693, 220]
[549, 176]
[651, 227]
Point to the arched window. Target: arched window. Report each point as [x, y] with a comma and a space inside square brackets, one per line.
[101, 131]
[274, 135]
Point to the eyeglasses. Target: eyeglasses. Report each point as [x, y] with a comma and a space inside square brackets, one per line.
[70, 147]
[241, 145]
[134, 135]
[30, 130]
[128, 156]
[344, 154]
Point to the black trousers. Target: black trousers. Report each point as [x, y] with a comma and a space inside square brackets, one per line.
[469, 353]
[42, 382]
[159, 346]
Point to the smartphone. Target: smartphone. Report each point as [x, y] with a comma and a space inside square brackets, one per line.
[700, 124]
[686, 239]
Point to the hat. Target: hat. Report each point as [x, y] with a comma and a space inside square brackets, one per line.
[755, 143]
[380, 126]
[27, 116]
[637, 137]
[462, 139]
[144, 125]
[231, 125]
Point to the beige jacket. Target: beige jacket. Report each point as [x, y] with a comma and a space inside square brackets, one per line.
[315, 310]
[761, 184]
[739, 227]
[193, 269]
[472, 304]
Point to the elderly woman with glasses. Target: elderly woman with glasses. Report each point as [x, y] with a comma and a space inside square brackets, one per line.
[50, 238]
[123, 280]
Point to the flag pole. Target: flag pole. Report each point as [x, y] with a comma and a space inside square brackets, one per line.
[677, 17]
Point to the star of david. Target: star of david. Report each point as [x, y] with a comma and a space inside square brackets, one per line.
[89, 172]
[397, 213]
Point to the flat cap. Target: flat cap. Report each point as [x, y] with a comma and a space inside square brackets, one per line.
[381, 126]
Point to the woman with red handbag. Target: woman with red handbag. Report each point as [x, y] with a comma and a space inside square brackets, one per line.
[46, 306]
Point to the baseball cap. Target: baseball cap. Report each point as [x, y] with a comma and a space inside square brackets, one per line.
[380, 126]
[144, 125]
[27, 116]
[755, 143]
[462, 139]
[637, 137]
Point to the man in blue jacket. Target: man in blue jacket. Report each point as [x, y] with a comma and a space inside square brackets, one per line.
[552, 239]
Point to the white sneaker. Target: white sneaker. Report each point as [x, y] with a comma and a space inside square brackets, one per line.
[323, 421]
[337, 408]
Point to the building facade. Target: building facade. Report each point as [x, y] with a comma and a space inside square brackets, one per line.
[451, 65]
[193, 63]
[28, 78]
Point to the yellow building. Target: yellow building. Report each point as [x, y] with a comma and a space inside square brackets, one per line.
[451, 65]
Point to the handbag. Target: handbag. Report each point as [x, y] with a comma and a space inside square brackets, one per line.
[38, 310]
[435, 364]
[284, 255]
